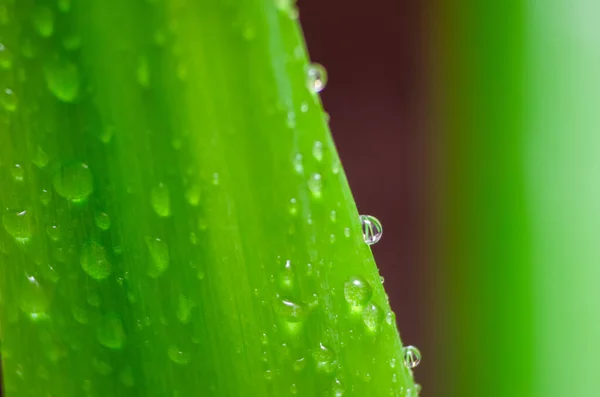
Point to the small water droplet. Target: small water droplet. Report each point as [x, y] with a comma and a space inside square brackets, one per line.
[161, 200]
[192, 195]
[293, 388]
[372, 229]
[178, 356]
[102, 367]
[317, 151]
[40, 158]
[94, 261]
[372, 317]
[54, 232]
[62, 79]
[79, 314]
[184, 309]
[317, 77]
[304, 107]
[324, 359]
[143, 72]
[333, 216]
[34, 301]
[268, 374]
[299, 364]
[315, 185]
[102, 220]
[290, 120]
[45, 197]
[332, 238]
[291, 311]
[43, 19]
[338, 388]
[357, 292]
[390, 318]
[288, 7]
[74, 182]
[71, 42]
[159, 252]
[293, 206]
[64, 5]
[9, 100]
[111, 332]
[193, 238]
[18, 224]
[412, 356]
[5, 57]
[126, 377]
[347, 232]
[18, 173]
[215, 179]
[298, 164]
[286, 278]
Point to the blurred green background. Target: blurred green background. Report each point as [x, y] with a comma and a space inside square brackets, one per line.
[472, 130]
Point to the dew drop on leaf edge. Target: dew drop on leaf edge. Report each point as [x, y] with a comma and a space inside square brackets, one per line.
[371, 228]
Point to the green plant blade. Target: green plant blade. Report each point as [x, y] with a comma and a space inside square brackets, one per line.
[176, 220]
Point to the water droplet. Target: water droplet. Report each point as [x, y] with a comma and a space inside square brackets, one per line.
[143, 72]
[304, 107]
[74, 182]
[18, 224]
[71, 42]
[111, 332]
[192, 195]
[298, 165]
[290, 120]
[333, 216]
[161, 200]
[34, 301]
[317, 151]
[291, 311]
[5, 57]
[45, 197]
[249, 33]
[293, 388]
[372, 317]
[412, 356]
[347, 232]
[62, 79]
[64, 5]
[193, 238]
[332, 238]
[288, 7]
[215, 179]
[357, 292]
[299, 364]
[317, 77]
[324, 359]
[79, 314]
[372, 229]
[53, 231]
[293, 206]
[40, 158]
[9, 100]
[338, 388]
[43, 19]
[178, 356]
[159, 252]
[126, 377]
[315, 185]
[286, 278]
[184, 309]
[102, 367]
[94, 261]
[268, 374]
[102, 220]
[18, 173]
[390, 318]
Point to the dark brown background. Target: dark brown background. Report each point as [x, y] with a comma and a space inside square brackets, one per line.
[374, 54]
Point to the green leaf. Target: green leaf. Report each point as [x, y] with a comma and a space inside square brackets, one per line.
[176, 220]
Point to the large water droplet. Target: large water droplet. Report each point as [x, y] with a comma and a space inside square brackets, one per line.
[159, 252]
[178, 356]
[161, 200]
[34, 300]
[412, 356]
[315, 185]
[111, 332]
[94, 261]
[62, 79]
[74, 182]
[102, 220]
[357, 292]
[43, 19]
[18, 224]
[324, 359]
[372, 317]
[317, 77]
[9, 100]
[372, 229]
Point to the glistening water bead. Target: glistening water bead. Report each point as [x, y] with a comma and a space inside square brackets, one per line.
[357, 292]
[371, 228]
[412, 356]
[316, 77]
